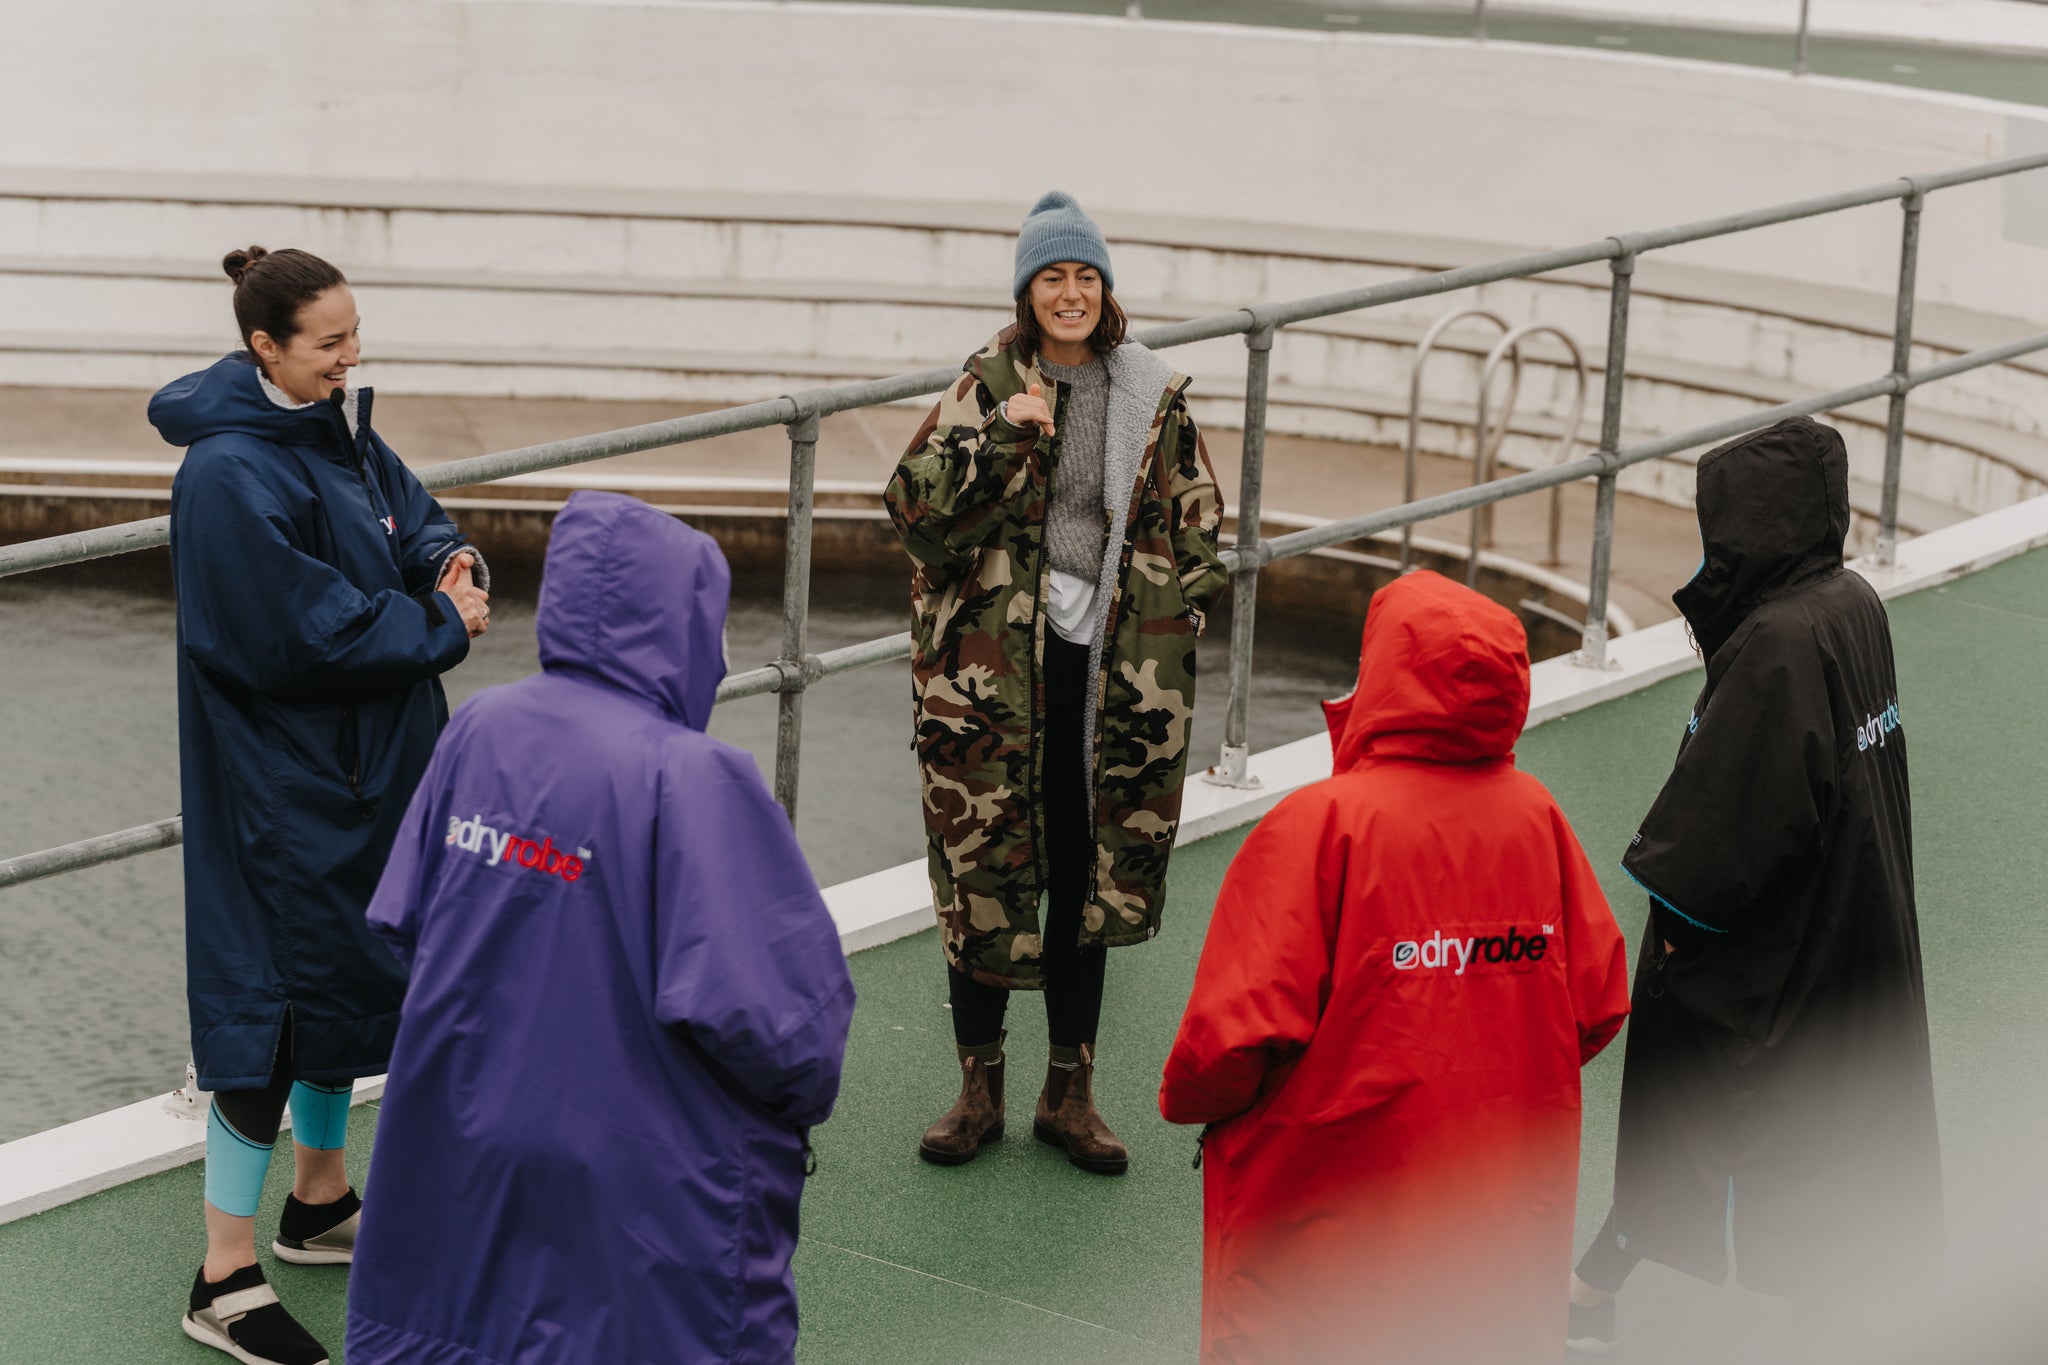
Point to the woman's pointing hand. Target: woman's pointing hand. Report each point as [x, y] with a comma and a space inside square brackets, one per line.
[1028, 409]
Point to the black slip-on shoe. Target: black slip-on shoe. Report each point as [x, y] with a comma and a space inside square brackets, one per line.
[318, 1234]
[1590, 1329]
[241, 1316]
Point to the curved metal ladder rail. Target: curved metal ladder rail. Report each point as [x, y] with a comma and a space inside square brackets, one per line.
[1423, 350]
[1484, 458]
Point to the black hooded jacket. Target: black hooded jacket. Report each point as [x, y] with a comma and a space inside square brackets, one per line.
[1783, 1045]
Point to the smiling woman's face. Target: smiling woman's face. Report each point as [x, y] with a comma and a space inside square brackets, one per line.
[316, 360]
[1067, 300]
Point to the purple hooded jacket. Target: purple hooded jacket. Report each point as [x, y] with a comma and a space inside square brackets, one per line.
[628, 1001]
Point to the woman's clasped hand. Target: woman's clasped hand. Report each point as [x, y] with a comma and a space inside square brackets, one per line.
[459, 587]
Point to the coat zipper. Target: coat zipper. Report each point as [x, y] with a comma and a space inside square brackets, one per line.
[350, 446]
[1038, 629]
[351, 738]
[352, 442]
[355, 444]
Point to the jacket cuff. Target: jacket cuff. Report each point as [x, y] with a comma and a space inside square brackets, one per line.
[1678, 931]
[451, 635]
[997, 428]
[480, 572]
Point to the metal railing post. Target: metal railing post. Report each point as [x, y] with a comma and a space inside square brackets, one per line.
[1902, 365]
[796, 603]
[1592, 651]
[1231, 769]
[1799, 67]
[188, 1101]
[1478, 21]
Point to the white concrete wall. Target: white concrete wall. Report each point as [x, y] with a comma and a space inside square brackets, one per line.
[124, 293]
[1523, 146]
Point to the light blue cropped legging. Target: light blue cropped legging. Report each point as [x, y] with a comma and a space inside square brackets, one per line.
[241, 1133]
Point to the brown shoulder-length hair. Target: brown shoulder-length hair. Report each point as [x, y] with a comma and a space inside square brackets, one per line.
[1109, 332]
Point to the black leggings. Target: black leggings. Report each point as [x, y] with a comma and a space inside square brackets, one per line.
[1605, 1265]
[1073, 974]
[258, 1114]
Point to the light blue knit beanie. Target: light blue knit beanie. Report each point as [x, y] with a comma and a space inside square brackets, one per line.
[1054, 231]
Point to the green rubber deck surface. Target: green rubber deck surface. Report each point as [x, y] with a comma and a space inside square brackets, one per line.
[1019, 1257]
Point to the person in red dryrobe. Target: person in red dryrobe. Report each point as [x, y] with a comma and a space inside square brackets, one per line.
[1407, 967]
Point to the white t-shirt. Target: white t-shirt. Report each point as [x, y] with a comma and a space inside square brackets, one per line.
[1070, 606]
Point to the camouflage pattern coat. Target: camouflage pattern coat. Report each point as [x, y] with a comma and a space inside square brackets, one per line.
[969, 500]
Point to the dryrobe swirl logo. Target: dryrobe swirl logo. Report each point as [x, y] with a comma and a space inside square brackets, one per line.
[1873, 733]
[498, 848]
[1459, 954]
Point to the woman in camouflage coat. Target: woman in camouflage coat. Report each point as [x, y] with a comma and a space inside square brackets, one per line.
[1061, 514]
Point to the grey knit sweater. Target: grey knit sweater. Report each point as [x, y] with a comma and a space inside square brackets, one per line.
[1076, 527]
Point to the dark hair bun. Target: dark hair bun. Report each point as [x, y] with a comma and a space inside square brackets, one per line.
[236, 263]
[268, 300]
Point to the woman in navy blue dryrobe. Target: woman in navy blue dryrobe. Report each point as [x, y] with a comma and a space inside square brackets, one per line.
[628, 1002]
[321, 594]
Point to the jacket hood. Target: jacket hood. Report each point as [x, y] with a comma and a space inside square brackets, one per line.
[1774, 512]
[1005, 368]
[637, 599]
[1443, 675]
[229, 395]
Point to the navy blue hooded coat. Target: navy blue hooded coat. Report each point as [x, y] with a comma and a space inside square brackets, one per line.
[310, 644]
[628, 1000]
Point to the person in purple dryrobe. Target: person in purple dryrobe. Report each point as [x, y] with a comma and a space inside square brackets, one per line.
[628, 1003]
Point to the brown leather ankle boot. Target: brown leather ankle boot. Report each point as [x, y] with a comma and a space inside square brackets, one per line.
[976, 1117]
[1067, 1118]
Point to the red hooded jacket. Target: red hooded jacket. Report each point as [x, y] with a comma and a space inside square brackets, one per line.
[1407, 967]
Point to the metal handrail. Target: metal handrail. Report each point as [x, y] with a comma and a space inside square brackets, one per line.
[1604, 463]
[1412, 451]
[760, 681]
[1483, 461]
[793, 672]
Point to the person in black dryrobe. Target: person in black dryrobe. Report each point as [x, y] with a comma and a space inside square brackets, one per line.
[1777, 1080]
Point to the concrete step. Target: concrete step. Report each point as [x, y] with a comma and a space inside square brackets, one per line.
[903, 329]
[555, 239]
[1952, 463]
[844, 329]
